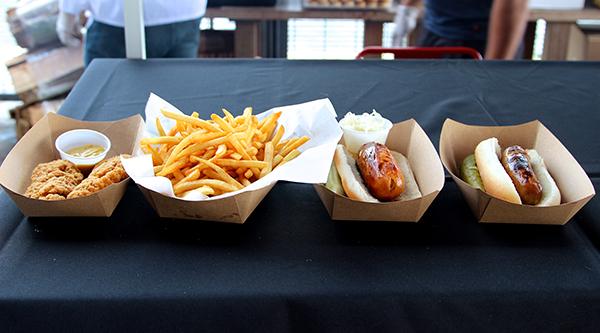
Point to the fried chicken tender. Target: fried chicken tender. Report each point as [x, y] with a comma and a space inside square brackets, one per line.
[106, 173]
[53, 180]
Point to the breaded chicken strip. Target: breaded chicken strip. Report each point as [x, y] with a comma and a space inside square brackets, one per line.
[53, 180]
[103, 175]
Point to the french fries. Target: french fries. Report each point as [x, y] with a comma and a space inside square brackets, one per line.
[219, 155]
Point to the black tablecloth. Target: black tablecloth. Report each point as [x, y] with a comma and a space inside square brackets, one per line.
[290, 268]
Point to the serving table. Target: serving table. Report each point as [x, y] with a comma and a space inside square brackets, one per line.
[289, 267]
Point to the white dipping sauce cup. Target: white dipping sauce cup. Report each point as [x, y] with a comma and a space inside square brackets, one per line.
[354, 139]
[77, 138]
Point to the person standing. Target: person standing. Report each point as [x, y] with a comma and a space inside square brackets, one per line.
[172, 28]
[495, 28]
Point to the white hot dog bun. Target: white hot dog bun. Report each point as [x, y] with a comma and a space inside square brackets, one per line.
[550, 192]
[411, 189]
[495, 179]
[350, 176]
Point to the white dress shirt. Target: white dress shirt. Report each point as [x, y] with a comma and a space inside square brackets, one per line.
[156, 12]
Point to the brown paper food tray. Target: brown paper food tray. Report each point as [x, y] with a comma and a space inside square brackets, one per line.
[233, 209]
[37, 146]
[409, 139]
[459, 140]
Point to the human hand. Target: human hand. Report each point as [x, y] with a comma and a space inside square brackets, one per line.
[406, 21]
[68, 29]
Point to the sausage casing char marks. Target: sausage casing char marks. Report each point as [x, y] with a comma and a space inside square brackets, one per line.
[380, 171]
[516, 163]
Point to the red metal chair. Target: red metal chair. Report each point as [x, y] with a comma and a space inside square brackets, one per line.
[421, 52]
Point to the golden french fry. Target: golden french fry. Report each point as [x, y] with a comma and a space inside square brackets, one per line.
[159, 127]
[247, 113]
[252, 151]
[213, 183]
[191, 175]
[240, 163]
[192, 138]
[163, 152]
[222, 123]
[293, 145]
[161, 140]
[270, 122]
[211, 174]
[178, 175]
[276, 160]
[248, 174]
[229, 117]
[156, 159]
[268, 159]
[198, 147]
[237, 145]
[171, 168]
[282, 144]
[221, 151]
[293, 154]
[258, 144]
[245, 181]
[188, 119]
[205, 190]
[210, 153]
[278, 135]
[288, 143]
[262, 122]
[223, 175]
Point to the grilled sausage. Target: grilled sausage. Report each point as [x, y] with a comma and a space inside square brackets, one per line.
[380, 171]
[516, 163]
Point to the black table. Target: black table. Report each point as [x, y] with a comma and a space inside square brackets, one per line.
[290, 268]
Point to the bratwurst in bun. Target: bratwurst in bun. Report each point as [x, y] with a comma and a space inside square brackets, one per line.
[515, 175]
[377, 174]
[380, 171]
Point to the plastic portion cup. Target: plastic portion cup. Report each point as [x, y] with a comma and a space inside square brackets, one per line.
[77, 138]
[354, 139]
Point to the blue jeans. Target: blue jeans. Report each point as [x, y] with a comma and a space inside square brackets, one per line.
[175, 40]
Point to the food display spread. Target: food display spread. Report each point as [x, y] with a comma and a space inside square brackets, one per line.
[373, 169]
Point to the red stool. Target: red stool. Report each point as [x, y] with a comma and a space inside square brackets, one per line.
[421, 52]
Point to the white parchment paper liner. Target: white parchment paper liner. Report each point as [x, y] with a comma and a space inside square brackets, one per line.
[316, 119]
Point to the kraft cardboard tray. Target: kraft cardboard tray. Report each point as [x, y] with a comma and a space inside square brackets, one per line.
[231, 209]
[459, 140]
[408, 138]
[37, 146]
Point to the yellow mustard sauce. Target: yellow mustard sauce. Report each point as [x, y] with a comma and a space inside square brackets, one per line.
[86, 151]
